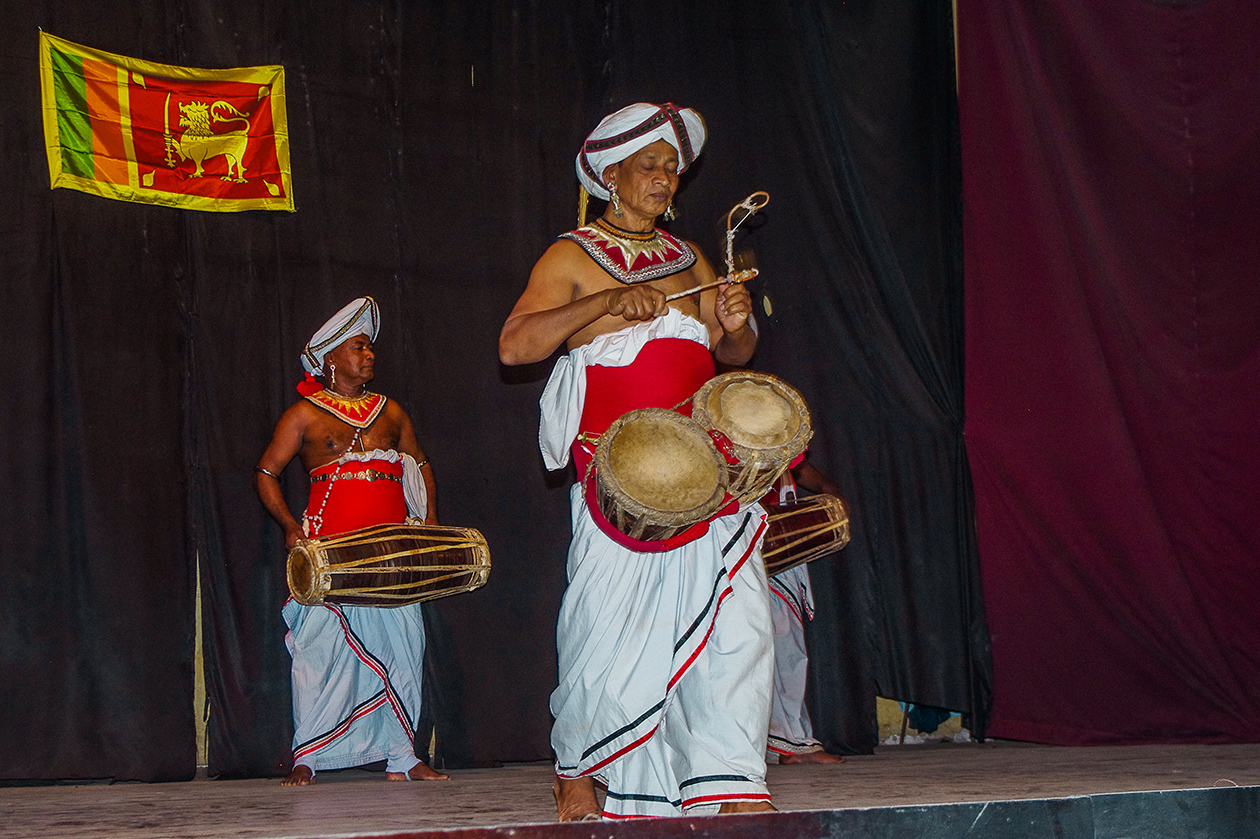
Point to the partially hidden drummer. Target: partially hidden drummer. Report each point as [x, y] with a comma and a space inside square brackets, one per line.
[665, 657]
[356, 669]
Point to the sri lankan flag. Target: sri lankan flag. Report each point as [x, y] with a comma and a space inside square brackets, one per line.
[158, 134]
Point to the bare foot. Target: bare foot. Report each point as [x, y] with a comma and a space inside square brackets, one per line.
[811, 757]
[575, 800]
[420, 772]
[746, 807]
[301, 776]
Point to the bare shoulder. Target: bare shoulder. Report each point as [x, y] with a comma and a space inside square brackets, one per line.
[396, 413]
[298, 415]
[703, 268]
[563, 265]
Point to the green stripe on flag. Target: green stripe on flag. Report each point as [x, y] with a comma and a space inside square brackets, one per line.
[74, 128]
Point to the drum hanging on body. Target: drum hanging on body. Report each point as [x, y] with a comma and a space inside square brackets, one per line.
[657, 473]
[388, 565]
[804, 531]
[759, 421]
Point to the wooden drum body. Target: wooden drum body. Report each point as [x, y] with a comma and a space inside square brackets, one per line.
[761, 423]
[797, 533]
[657, 473]
[388, 565]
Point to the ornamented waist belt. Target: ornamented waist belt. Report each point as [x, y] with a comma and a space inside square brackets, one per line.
[365, 475]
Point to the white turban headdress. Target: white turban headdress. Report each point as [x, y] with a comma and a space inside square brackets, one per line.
[623, 133]
[358, 317]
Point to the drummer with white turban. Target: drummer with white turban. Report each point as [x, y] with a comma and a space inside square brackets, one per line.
[356, 669]
[665, 650]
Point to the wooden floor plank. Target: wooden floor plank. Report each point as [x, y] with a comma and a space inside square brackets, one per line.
[356, 802]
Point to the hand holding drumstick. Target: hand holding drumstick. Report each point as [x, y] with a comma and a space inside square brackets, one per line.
[737, 277]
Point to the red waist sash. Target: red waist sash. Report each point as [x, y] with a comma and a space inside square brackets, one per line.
[666, 372]
[359, 494]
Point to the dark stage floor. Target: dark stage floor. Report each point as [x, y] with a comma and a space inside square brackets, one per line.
[355, 803]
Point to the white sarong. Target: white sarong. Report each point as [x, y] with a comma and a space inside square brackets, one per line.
[791, 604]
[356, 673]
[356, 684]
[666, 659]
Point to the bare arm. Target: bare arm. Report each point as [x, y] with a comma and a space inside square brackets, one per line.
[806, 475]
[727, 312]
[549, 312]
[408, 444]
[285, 443]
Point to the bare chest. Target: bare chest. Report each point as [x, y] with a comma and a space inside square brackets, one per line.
[328, 439]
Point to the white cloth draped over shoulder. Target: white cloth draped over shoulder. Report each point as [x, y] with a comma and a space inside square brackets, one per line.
[565, 394]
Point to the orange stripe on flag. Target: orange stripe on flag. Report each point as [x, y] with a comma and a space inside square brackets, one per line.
[108, 150]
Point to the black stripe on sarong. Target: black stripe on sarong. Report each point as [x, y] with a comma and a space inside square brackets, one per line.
[397, 702]
[717, 584]
[705, 778]
[627, 796]
[649, 712]
[790, 597]
[353, 711]
[788, 742]
[738, 533]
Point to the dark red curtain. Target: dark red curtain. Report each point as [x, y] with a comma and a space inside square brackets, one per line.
[1111, 168]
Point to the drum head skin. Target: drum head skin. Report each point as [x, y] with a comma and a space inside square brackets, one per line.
[754, 414]
[302, 573]
[664, 465]
[754, 410]
[657, 473]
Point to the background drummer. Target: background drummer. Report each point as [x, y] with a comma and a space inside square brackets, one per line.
[366, 468]
[626, 636]
[791, 737]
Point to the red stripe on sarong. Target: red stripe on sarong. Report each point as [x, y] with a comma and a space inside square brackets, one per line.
[789, 604]
[696, 652]
[340, 730]
[622, 751]
[751, 547]
[379, 669]
[703, 799]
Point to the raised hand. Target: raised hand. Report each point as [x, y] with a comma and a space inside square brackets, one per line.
[733, 306]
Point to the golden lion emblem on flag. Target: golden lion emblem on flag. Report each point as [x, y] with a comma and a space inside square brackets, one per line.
[199, 142]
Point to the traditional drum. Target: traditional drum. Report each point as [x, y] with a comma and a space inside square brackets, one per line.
[388, 565]
[759, 422]
[804, 531]
[657, 473]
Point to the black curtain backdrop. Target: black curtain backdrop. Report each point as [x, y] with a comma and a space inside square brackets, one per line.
[1112, 166]
[432, 148]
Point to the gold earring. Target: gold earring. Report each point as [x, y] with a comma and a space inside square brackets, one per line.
[670, 215]
[616, 200]
[332, 376]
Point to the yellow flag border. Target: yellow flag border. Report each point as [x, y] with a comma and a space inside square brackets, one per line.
[271, 75]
